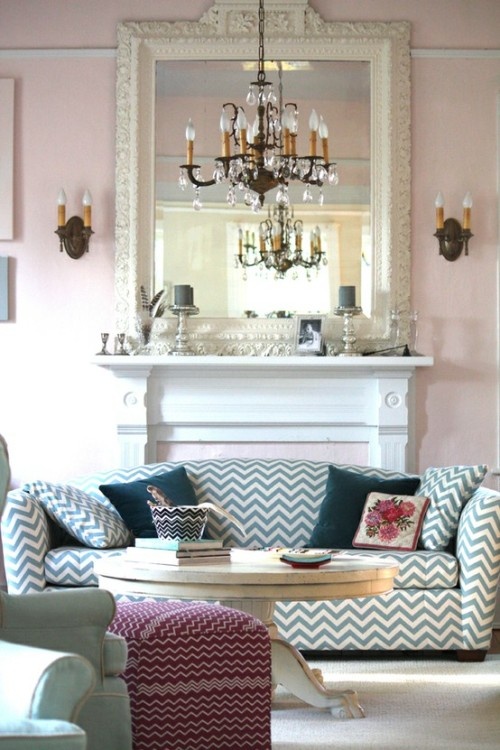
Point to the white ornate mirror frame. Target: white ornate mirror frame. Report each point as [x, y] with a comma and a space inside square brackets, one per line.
[293, 31]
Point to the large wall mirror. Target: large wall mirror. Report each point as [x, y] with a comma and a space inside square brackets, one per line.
[356, 74]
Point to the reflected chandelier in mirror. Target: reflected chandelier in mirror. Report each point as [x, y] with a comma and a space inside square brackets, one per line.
[228, 32]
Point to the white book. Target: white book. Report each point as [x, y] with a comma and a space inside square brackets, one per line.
[174, 557]
[179, 544]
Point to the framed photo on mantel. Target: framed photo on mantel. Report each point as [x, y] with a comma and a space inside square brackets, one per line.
[309, 334]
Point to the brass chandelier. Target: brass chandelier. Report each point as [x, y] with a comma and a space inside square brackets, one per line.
[280, 245]
[260, 156]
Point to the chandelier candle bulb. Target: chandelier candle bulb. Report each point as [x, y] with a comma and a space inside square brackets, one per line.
[323, 134]
[190, 135]
[224, 129]
[87, 209]
[183, 295]
[439, 203]
[313, 131]
[242, 123]
[347, 296]
[61, 208]
[467, 205]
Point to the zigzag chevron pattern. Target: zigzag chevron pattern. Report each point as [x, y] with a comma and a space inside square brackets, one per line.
[448, 489]
[399, 620]
[419, 569]
[199, 676]
[278, 502]
[478, 552]
[66, 566]
[25, 541]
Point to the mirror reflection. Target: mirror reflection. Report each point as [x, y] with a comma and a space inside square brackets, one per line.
[202, 247]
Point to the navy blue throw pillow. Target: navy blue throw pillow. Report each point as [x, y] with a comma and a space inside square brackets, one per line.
[341, 510]
[131, 498]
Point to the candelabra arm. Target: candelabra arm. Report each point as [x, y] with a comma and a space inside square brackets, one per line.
[453, 239]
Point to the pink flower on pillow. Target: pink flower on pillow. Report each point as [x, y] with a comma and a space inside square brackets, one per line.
[388, 532]
[391, 521]
[407, 508]
[388, 517]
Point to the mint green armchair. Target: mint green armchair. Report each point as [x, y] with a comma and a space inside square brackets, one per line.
[75, 623]
[41, 693]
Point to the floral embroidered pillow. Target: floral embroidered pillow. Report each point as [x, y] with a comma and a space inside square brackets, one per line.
[391, 522]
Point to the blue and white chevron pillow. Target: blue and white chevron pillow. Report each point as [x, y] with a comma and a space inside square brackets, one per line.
[448, 489]
[94, 523]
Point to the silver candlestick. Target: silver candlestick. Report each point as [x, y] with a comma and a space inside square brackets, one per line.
[349, 337]
[183, 312]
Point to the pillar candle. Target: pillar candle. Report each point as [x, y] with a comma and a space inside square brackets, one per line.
[347, 296]
[183, 295]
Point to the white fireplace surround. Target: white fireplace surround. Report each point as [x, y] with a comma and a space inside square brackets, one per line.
[237, 401]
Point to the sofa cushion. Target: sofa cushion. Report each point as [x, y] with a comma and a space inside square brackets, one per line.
[342, 506]
[449, 489]
[131, 498]
[92, 522]
[391, 521]
[420, 569]
[74, 566]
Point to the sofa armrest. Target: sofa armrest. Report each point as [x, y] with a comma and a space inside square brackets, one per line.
[72, 621]
[25, 541]
[37, 683]
[478, 553]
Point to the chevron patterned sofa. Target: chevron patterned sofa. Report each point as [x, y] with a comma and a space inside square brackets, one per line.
[442, 600]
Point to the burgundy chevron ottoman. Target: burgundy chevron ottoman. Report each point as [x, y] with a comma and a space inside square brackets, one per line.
[198, 675]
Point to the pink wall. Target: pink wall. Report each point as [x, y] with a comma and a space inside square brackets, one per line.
[55, 407]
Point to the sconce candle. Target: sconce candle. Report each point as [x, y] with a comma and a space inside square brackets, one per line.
[467, 205]
[61, 208]
[439, 203]
[87, 209]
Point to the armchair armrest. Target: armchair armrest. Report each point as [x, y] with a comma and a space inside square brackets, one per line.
[37, 683]
[478, 553]
[72, 621]
[25, 540]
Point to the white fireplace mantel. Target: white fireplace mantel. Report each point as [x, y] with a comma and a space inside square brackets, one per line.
[169, 399]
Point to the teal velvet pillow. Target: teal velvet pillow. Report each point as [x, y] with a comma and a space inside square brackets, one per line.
[131, 498]
[341, 510]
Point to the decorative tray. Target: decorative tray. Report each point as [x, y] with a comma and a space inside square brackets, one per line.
[306, 559]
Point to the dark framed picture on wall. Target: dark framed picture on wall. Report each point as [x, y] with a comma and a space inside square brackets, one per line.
[309, 334]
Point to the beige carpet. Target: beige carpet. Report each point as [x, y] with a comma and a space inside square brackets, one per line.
[410, 704]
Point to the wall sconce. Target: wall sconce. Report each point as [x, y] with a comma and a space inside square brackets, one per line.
[452, 237]
[74, 234]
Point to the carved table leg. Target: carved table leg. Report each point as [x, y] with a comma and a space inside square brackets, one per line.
[292, 671]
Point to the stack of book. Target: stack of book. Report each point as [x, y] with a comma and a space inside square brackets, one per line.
[179, 551]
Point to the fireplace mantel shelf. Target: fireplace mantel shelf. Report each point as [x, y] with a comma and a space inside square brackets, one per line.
[333, 401]
[308, 364]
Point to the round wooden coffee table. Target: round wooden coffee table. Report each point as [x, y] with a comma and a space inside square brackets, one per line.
[255, 587]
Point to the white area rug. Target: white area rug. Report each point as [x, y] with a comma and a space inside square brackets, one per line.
[410, 704]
